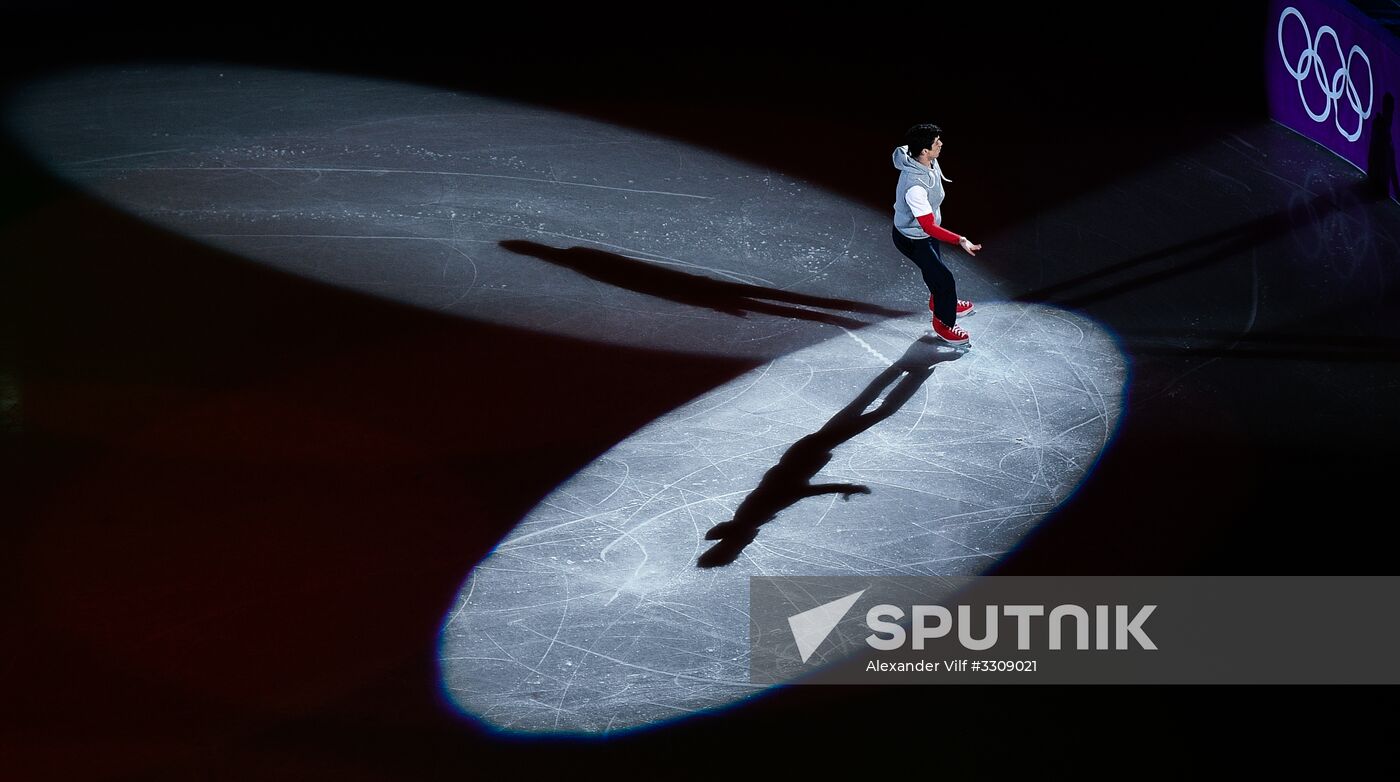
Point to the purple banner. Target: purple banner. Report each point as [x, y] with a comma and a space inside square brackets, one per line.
[1332, 74]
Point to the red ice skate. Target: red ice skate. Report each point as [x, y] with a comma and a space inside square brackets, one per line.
[965, 307]
[953, 335]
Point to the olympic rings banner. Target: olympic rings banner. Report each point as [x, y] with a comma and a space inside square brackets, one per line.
[1332, 75]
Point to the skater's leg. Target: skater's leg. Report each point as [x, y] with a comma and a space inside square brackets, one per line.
[939, 280]
[942, 288]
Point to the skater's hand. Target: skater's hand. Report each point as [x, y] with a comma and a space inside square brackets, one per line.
[968, 246]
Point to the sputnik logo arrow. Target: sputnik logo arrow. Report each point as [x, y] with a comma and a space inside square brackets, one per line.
[810, 628]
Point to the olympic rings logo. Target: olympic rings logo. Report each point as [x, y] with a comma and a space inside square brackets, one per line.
[1309, 62]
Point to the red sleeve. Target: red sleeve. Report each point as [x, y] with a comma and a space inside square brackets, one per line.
[938, 232]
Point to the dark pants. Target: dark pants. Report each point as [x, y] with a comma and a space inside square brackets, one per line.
[941, 287]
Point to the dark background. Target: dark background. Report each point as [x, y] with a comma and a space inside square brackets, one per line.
[238, 504]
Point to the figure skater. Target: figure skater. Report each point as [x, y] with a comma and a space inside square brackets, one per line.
[918, 230]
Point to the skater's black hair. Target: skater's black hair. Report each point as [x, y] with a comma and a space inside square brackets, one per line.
[920, 138]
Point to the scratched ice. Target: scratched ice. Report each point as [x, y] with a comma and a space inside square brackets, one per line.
[855, 448]
[598, 613]
[478, 207]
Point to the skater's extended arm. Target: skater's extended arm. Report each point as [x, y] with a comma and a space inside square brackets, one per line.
[937, 231]
[918, 204]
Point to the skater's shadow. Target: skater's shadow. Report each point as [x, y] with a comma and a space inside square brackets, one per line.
[790, 480]
[1217, 247]
[1269, 346]
[730, 298]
